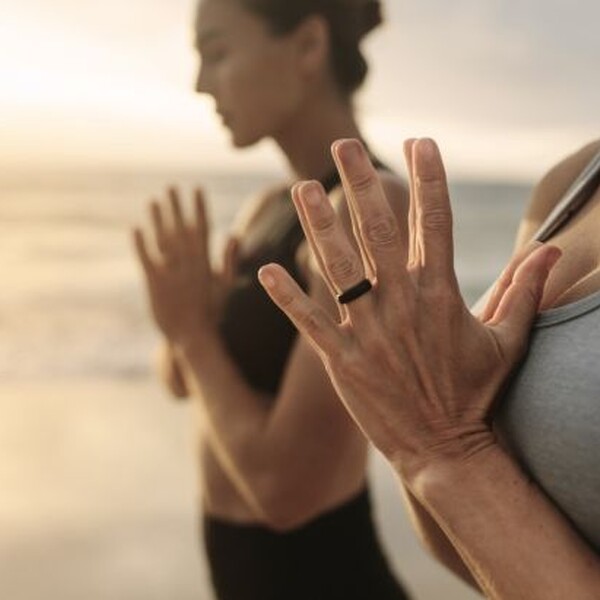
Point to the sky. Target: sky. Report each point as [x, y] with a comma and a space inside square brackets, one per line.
[506, 88]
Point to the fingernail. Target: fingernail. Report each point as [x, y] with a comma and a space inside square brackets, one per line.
[266, 278]
[554, 255]
[350, 152]
[312, 193]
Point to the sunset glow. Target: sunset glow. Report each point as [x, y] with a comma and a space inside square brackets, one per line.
[85, 84]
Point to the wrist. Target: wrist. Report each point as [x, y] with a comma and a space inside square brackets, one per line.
[448, 459]
[443, 473]
[195, 344]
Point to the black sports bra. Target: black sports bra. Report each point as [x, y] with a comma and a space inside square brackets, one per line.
[257, 335]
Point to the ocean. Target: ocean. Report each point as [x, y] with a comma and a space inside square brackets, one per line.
[72, 302]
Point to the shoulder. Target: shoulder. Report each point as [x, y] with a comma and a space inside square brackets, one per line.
[550, 189]
[395, 190]
[256, 207]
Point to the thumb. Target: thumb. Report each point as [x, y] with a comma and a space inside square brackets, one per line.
[230, 260]
[521, 301]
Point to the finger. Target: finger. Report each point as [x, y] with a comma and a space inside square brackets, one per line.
[521, 302]
[309, 318]
[342, 264]
[505, 280]
[310, 236]
[412, 212]
[230, 260]
[160, 230]
[377, 224]
[179, 225]
[142, 251]
[434, 215]
[351, 209]
[177, 231]
[315, 254]
[202, 242]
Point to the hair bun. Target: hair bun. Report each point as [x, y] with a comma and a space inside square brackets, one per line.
[371, 17]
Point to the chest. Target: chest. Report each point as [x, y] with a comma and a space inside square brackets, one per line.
[578, 272]
[550, 417]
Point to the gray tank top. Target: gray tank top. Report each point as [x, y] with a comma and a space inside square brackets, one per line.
[550, 413]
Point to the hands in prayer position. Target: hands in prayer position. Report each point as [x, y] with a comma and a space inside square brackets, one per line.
[186, 293]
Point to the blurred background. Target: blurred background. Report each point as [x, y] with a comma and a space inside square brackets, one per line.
[97, 115]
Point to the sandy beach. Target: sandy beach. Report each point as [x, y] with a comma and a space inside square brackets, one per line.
[98, 501]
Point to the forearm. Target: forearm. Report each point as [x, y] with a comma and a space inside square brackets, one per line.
[169, 372]
[435, 540]
[234, 417]
[514, 540]
[289, 456]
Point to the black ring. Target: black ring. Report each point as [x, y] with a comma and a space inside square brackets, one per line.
[355, 292]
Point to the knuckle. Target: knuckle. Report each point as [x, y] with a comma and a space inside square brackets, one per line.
[381, 230]
[285, 299]
[437, 219]
[324, 223]
[310, 321]
[362, 183]
[432, 186]
[344, 268]
[347, 367]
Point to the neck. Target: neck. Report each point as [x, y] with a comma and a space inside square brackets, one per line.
[306, 140]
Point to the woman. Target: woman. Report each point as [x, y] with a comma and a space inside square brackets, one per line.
[512, 506]
[282, 467]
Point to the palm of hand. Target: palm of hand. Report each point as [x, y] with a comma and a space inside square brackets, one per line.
[186, 294]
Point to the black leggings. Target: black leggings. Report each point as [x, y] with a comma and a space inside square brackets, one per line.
[335, 557]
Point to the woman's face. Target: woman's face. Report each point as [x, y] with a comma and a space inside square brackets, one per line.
[254, 77]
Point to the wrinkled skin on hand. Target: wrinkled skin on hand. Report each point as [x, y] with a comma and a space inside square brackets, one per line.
[415, 368]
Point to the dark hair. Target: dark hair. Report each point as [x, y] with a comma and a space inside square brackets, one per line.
[349, 22]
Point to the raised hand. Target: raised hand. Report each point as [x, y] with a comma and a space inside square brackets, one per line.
[185, 292]
[416, 370]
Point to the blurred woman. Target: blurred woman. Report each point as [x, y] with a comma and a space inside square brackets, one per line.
[509, 499]
[282, 467]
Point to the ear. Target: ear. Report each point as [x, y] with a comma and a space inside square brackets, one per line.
[312, 41]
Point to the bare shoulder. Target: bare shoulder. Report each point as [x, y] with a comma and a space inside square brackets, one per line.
[256, 207]
[397, 193]
[548, 192]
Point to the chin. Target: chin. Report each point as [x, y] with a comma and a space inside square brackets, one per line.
[242, 140]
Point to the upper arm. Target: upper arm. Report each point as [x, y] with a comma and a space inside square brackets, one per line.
[549, 191]
[255, 208]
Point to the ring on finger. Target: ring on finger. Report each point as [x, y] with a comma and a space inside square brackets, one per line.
[355, 292]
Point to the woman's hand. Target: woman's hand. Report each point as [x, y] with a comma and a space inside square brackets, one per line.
[186, 294]
[416, 370]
